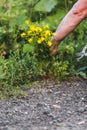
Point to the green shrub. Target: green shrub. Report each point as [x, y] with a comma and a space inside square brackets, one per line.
[18, 69]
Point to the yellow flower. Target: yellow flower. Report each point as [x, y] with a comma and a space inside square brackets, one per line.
[29, 33]
[39, 41]
[30, 40]
[54, 34]
[32, 28]
[47, 33]
[49, 43]
[23, 34]
[46, 26]
[38, 29]
[27, 22]
[42, 39]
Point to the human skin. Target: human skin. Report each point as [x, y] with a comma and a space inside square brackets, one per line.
[72, 19]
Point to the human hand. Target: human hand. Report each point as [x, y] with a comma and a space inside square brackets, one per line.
[54, 46]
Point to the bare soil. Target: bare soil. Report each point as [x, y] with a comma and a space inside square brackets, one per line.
[50, 106]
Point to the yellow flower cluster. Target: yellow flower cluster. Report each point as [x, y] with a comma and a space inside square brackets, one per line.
[37, 34]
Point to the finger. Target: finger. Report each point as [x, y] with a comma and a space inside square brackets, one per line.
[54, 52]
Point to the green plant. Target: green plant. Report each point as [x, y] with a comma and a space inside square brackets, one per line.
[12, 15]
[37, 40]
[60, 69]
[18, 69]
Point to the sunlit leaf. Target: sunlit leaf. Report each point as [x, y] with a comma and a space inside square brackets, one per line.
[45, 5]
[28, 48]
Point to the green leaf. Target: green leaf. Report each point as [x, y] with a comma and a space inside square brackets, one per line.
[20, 19]
[45, 5]
[54, 19]
[2, 75]
[82, 74]
[28, 48]
[83, 68]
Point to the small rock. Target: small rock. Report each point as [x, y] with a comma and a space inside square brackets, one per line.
[81, 122]
[57, 106]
